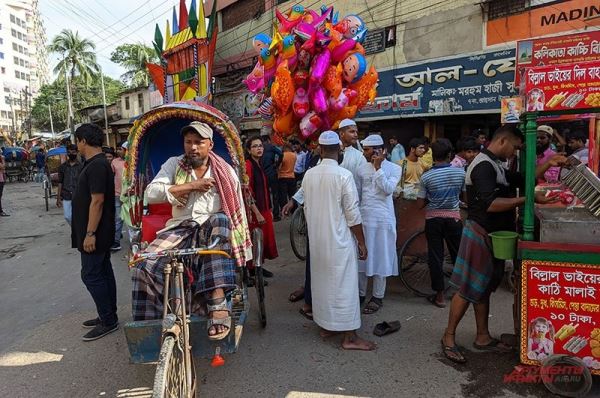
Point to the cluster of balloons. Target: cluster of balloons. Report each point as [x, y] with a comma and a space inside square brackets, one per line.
[312, 71]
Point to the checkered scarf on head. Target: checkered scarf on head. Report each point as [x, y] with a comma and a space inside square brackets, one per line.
[230, 202]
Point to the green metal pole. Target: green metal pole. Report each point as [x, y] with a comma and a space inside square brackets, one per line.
[530, 157]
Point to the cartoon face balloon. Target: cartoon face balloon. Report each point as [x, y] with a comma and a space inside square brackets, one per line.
[354, 67]
[355, 28]
[261, 41]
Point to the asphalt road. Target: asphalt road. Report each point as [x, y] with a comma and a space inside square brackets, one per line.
[43, 302]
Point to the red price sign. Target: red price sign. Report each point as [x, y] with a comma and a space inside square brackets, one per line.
[560, 312]
[559, 87]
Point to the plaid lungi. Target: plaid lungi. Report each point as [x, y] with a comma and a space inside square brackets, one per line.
[204, 273]
[476, 272]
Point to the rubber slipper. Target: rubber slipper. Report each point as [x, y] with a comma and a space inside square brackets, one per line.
[296, 295]
[433, 301]
[458, 356]
[308, 315]
[493, 345]
[383, 328]
[372, 306]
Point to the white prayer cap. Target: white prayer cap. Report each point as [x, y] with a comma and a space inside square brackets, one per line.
[329, 138]
[124, 144]
[546, 129]
[347, 122]
[372, 140]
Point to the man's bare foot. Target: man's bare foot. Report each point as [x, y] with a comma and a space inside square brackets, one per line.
[328, 333]
[353, 342]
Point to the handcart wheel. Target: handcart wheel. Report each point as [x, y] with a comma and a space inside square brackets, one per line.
[299, 233]
[413, 265]
[259, 281]
[566, 376]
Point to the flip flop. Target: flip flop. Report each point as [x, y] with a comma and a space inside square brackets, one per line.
[433, 301]
[458, 356]
[296, 295]
[383, 328]
[306, 314]
[492, 346]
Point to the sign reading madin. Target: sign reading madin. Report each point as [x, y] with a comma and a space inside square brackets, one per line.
[472, 84]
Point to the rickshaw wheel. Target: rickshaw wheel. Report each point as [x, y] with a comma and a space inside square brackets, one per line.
[569, 384]
[170, 376]
[259, 282]
[299, 233]
[46, 194]
[413, 265]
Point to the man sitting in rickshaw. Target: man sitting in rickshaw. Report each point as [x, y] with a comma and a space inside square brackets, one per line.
[207, 203]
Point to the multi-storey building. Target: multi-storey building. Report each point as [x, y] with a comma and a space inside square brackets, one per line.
[23, 61]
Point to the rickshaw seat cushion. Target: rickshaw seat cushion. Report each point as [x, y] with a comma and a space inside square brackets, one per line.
[151, 224]
[160, 208]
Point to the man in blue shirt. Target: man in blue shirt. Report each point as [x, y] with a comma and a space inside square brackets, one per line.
[397, 153]
[441, 188]
[40, 163]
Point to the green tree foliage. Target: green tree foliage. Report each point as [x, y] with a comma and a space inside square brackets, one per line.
[77, 56]
[84, 95]
[134, 57]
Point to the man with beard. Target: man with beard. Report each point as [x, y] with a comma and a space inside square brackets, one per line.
[207, 202]
[545, 153]
[353, 158]
[67, 181]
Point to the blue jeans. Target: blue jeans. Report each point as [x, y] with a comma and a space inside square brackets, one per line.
[67, 210]
[98, 277]
[118, 221]
[39, 177]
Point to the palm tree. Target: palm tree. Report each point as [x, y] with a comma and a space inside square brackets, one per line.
[78, 56]
[134, 57]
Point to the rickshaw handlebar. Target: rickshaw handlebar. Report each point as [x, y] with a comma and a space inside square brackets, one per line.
[173, 253]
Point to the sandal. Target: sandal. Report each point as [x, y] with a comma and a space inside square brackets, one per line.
[453, 353]
[373, 306]
[296, 295]
[383, 328]
[218, 304]
[433, 301]
[307, 314]
[494, 345]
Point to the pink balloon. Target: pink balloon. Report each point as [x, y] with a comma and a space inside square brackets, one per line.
[319, 66]
[309, 124]
[255, 80]
[300, 104]
[338, 103]
[339, 52]
[319, 100]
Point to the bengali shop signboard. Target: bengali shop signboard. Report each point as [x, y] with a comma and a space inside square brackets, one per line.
[566, 49]
[560, 312]
[471, 84]
[562, 87]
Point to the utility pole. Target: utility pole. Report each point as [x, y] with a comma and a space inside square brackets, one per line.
[70, 105]
[51, 124]
[104, 103]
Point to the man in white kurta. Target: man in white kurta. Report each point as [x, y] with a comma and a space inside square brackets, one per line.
[353, 158]
[377, 180]
[333, 217]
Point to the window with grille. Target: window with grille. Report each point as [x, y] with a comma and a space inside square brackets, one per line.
[504, 8]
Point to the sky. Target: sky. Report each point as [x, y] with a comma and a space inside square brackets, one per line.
[108, 23]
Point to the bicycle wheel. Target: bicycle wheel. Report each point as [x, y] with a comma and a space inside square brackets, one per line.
[259, 281]
[170, 376]
[46, 194]
[299, 233]
[414, 266]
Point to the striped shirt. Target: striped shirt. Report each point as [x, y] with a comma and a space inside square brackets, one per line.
[442, 186]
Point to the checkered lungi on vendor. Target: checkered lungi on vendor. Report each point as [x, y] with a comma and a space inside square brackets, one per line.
[204, 273]
[476, 272]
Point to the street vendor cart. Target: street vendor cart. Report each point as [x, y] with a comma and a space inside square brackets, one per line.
[559, 249]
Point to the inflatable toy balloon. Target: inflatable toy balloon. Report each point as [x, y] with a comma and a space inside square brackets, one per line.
[333, 80]
[304, 57]
[319, 100]
[265, 109]
[301, 78]
[282, 90]
[277, 139]
[287, 24]
[338, 103]
[288, 52]
[352, 27]
[277, 43]
[339, 52]
[300, 104]
[283, 124]
[319, 66]
[255, 80]
[309, 124]
[269, 63]
[316, 20]
[354, 66]
[305, 31]
[363, 88]
[348, 112]
[261, 41]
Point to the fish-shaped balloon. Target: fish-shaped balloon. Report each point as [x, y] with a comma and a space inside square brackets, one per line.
[288, 52]
[282, 89]
[333, 79]
[255, 80]
[283, 124]
[300, 105]
[364, 87]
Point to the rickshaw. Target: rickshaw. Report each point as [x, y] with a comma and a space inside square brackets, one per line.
[17, 162]
[174, 341]
[54, 158]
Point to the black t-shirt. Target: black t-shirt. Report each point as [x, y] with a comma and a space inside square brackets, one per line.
[95, 177]
[67, 176]
[484, 190]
